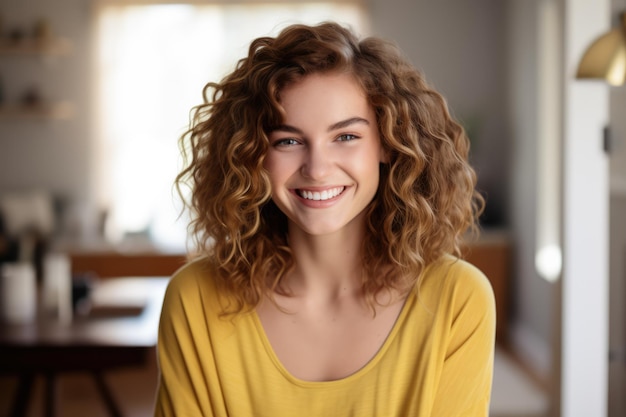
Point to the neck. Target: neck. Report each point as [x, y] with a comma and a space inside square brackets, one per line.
[328, 265]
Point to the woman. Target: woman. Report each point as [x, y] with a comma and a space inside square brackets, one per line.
[330, 189]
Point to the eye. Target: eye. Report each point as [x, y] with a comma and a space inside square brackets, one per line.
[347, 137]
[285, 142]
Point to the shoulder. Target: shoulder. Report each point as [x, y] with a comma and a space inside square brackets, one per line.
[192, 274]
[459, 284]
[192, 286]
[457, 273]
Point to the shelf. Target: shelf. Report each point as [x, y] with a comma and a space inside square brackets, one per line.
[56, 46]
[58, 110]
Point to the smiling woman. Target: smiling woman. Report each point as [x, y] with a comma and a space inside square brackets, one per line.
[329, 192]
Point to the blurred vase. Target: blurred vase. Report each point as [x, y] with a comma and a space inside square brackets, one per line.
[18, 293]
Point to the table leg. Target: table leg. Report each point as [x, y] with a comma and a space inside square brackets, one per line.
[50, 395]
[20, 401]
[106, 395]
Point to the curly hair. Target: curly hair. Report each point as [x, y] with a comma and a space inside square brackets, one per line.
[426, 199]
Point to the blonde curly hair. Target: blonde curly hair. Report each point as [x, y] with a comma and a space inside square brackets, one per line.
[426, 199]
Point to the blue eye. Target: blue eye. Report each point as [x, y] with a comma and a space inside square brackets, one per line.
[347, 137]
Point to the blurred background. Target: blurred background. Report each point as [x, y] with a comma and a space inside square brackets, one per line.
[94, 95]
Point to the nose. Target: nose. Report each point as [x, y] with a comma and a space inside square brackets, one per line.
[317, 163]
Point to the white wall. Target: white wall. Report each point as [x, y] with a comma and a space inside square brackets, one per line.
[585, 216]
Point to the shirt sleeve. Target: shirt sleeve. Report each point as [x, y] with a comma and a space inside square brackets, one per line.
[183, 389]
[464, 388]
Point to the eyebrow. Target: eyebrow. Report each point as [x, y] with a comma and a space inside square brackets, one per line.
[339, 125]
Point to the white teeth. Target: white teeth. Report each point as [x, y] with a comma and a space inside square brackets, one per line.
[320, 196]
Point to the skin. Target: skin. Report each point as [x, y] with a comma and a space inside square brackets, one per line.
[328, 144]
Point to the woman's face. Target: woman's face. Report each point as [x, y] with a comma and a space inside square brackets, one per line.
[323, 161]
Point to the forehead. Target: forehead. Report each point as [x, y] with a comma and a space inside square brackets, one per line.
[324, 93]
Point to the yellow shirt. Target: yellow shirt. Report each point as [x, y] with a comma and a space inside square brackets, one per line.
[437, 360]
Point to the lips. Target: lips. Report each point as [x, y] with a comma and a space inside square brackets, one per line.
[320, 195]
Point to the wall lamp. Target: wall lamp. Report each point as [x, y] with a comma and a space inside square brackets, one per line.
[606, 57]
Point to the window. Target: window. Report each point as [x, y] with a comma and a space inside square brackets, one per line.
[152, 62]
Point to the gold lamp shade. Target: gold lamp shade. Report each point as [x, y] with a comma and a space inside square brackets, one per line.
[606, 57]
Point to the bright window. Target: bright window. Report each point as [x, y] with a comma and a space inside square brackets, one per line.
[152, 62]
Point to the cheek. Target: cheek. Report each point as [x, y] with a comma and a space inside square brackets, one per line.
[368, 166]
[278, 169]
[369, 158]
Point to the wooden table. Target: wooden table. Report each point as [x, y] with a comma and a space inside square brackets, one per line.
[120, 331]
[111, 264]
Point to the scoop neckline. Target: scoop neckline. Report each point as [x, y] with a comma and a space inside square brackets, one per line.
[409, 300]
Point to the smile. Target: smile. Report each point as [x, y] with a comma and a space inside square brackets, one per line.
[321, 195]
